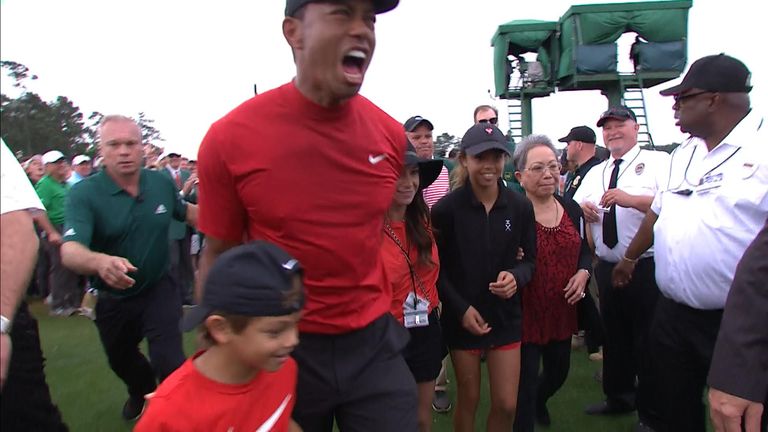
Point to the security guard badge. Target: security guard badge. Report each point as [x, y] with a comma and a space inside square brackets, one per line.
[639, 168]
[415, 311]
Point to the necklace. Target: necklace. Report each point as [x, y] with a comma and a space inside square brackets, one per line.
[556, 225]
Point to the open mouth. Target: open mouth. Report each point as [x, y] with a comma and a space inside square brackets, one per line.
[353, 64]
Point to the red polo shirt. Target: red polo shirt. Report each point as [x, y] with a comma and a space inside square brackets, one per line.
[317, 181]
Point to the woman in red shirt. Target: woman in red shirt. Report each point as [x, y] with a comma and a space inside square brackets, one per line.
[563, 262]
[411, 262]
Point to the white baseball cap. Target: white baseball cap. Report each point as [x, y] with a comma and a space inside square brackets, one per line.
[52, 156]
[77, 160]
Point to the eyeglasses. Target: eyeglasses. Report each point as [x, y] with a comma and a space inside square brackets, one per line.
[491, 120]
[679, 98]
[538, 169]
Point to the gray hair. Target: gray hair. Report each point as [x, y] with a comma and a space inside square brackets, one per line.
[526, 145]
[113, 118]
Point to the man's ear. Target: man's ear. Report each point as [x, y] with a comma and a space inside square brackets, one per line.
[292, 32]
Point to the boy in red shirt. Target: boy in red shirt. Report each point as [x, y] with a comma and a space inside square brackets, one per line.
[246, 380]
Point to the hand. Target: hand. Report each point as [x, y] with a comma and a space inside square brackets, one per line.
[189, 184]
[575, 289]
[622, 273]
[54, 239]
[474, 323]
[113, 270]
[727, 411]
[505, 285]
[5, 357]
[616, 196]
[520, 254]
[591, 213]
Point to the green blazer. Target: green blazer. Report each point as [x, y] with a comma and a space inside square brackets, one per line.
[177, 230]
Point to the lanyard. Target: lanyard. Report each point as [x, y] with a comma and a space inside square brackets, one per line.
[621, 173]
[414, 276]
[687, 192]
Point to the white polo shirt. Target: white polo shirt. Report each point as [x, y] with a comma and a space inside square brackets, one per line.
[642, 172]
[16, 192]
[701, 236]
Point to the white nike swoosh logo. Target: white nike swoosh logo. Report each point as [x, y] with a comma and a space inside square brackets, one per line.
[376, 159]
[290, 264]
[270, 423]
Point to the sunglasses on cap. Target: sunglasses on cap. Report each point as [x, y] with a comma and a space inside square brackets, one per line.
[491, 120]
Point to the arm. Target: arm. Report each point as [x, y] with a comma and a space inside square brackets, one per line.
[18, 256]
[643, 240]
[41, 219]
[213, 248]
[737, 378]
[522, 270]
[442, 224]
[111, 269]
[191, 218]
[641, 203]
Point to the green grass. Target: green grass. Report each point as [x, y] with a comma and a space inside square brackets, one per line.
[90, 396]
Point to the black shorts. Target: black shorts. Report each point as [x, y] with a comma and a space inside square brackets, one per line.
[424, 353]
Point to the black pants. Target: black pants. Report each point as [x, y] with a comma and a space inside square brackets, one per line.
[153, 313]
[360, 378]
[536, 388]
[67, 287]
[626, 314]
[589, 321]
[682, 340]
[181, 266]
[25, 398]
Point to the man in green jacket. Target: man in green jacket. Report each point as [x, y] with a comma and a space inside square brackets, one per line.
[66, 289]
[180, 234]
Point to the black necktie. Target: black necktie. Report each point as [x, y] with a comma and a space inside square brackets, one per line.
[610, 235]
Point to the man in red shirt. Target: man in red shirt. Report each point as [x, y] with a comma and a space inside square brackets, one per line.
[312, 167]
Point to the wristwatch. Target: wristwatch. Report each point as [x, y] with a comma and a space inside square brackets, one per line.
[5, 325]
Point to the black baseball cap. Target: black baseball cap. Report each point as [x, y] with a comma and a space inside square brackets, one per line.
[580, 133]
[412, 123]
[255, 279]
[618, 113]
[482, 137]
[429, 169]
[715, 73]
[379, 6]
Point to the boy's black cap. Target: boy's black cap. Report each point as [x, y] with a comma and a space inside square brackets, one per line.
[618, 112]
[429, 169]
[715, 73]
[379, 6]
[412, 123]
[482, 137]
[580, 133]
[254, 279]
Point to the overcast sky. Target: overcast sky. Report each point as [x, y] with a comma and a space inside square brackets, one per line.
[186, 64]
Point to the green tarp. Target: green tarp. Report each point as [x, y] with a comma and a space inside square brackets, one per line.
[516, 38]
[655, 21]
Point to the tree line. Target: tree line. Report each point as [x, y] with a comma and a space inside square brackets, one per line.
[30, 125]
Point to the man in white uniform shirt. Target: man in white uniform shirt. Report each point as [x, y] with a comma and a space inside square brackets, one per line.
[713, 206]
[615, 196]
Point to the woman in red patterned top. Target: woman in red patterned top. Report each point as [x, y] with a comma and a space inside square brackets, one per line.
[563, 262]
[411, 263]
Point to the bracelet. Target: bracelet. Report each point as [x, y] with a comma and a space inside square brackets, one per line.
[5, 325]
[633, 261]
[587, 272]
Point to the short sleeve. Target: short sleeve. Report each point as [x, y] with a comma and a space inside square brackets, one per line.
[17, 191]
[588, 185]
[79, 222]
[221, 213]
